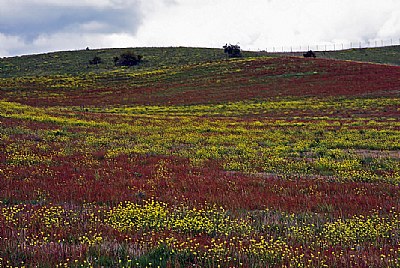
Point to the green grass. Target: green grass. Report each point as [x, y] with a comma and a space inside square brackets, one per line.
[383, 55]
[77, 62]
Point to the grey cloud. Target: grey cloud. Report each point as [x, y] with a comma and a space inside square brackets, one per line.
[31, 21]
[33, 26]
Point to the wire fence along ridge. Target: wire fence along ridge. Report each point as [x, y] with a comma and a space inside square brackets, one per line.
[335, 46]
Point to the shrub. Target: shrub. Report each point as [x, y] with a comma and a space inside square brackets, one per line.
[128, 59]
[96, 60]
[233, 51]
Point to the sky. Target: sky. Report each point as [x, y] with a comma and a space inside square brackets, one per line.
[39, 26]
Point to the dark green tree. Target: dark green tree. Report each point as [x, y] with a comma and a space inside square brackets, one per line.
[128, 59]
[233, 51]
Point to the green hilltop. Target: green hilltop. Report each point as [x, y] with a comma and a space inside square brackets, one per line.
[77, 62]
[383, 55]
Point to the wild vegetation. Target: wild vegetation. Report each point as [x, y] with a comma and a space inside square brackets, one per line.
[249, 162]
[383, 55]
[128, 58]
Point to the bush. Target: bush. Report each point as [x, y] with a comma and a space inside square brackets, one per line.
[233, 51]
[128, 59]
[96, 60]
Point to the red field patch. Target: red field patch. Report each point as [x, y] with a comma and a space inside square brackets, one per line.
[214, 83]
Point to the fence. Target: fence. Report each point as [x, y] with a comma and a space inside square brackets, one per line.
[335, 46]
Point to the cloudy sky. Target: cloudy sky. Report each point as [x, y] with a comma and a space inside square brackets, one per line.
[35, 26]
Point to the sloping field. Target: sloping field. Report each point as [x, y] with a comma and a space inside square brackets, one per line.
[207, 82]
[77, 62]
[250, 162]
[383, 55]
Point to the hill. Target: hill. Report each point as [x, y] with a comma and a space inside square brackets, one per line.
[77, 62]
[186, 76]
[384, 55]
[194, 160]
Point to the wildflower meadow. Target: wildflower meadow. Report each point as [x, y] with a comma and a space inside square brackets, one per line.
[257, 161]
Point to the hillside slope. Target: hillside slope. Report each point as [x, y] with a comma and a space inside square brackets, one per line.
[384, 55]
[77, 62]
[197, 80]
[194, 160]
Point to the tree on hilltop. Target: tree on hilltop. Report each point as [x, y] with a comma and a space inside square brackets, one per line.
[233, 51]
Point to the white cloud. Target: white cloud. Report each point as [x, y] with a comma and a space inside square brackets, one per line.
[63, 3]
[93, 26]
[70, 41]
[38, 25]
[9, 43]
[64, 41]
[391, 27]
[44, 24]
[260, 24]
